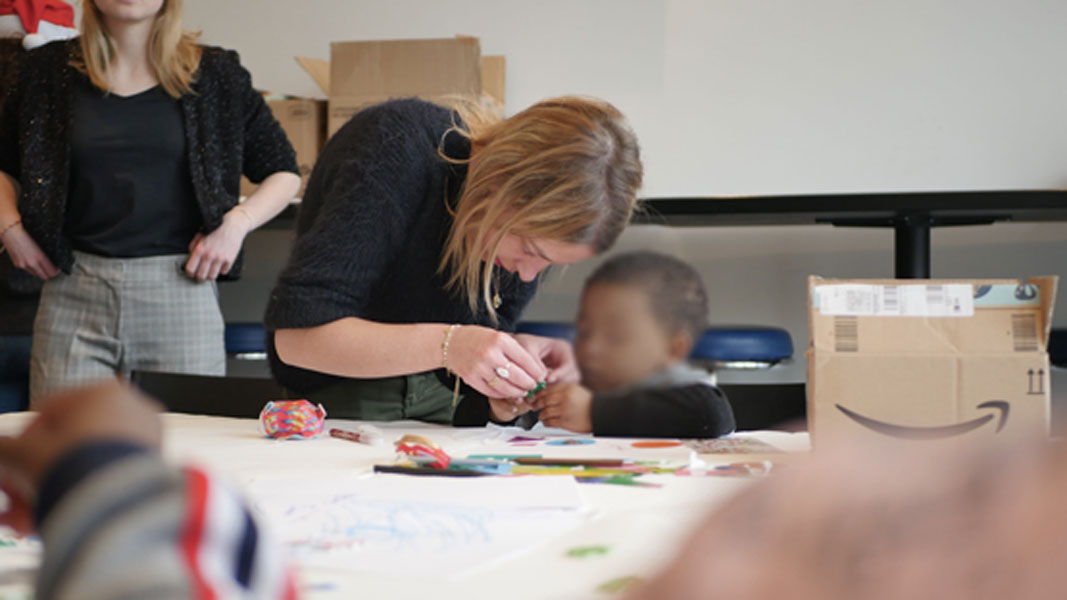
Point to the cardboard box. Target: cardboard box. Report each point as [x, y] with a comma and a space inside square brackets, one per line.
[365, 73]
[929, 359]
[359, 74]
[494, 78]
[304, 122]
[494, 84]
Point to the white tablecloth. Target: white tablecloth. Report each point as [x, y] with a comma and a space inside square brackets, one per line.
[636, 529]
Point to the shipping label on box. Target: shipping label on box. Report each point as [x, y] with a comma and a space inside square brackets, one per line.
[929, 359]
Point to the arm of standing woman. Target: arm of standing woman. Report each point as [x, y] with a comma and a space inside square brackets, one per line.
[213, 254]
[24, 251]
[268, 159]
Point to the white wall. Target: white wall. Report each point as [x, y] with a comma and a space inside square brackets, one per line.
[757, 97]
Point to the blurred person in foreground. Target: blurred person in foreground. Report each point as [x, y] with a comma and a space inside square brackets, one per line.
[117, 521]
[877, 523]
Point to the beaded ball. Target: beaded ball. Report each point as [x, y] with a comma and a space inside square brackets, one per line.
[292, 419]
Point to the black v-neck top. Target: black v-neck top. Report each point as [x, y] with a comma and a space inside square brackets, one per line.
[130, 190]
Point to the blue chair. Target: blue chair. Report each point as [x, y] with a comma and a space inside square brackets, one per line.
[15, 372]
[246, 350]
[743, 347]
[246, 341]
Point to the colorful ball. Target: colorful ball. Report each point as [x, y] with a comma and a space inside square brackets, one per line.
[292, 419]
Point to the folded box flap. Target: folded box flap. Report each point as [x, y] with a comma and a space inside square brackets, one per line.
[319, 70]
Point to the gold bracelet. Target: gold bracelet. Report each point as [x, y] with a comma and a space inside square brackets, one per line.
[444, 345]
[444, 361]
[9, 227]
[251, 223]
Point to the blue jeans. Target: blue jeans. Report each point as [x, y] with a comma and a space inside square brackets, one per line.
[15, 372]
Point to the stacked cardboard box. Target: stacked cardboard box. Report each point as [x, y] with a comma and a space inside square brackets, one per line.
[362, 73]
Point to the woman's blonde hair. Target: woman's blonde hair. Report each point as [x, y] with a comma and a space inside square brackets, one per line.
[172, 51]
[566, 169]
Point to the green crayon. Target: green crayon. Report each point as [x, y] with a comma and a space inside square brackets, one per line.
[540, 386]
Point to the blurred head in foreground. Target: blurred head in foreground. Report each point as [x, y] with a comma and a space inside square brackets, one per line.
[886, 524]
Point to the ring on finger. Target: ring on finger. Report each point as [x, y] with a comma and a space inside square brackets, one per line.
[492, 382]
[503, 372]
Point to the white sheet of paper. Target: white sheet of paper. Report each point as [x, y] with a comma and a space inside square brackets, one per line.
[423, 526]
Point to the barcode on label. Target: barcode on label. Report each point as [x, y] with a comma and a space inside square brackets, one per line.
[891, 299]
[846, 334]
[899, 300]
[1024, 332]
[935, 295]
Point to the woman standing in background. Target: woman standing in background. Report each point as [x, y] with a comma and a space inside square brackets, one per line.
[127, 146]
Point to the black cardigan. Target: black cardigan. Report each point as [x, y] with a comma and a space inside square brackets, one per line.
[371, 232]
[228, 127]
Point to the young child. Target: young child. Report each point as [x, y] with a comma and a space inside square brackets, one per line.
[640, 315]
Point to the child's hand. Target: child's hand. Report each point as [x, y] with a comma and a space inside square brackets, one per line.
[566, 405]
[107, 411]
[504, 410]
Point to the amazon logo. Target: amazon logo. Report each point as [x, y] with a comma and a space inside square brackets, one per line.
[1001, 410]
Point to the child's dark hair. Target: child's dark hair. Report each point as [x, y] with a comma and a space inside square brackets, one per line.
[675, 290]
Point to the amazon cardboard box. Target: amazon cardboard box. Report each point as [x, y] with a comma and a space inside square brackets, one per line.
[304, 122]
[929, 359]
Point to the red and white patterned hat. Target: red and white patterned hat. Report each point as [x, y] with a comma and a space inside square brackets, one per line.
[37, 22]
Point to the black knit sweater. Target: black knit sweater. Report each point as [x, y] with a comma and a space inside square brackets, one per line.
[229, 130]
[687, 411]
[371, 232]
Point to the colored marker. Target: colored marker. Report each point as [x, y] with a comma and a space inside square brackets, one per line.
[493, 467]
[364, 434]
[402, 470]
[572, 462]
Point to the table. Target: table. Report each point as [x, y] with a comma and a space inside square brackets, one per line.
[642, 527]
[910, 214]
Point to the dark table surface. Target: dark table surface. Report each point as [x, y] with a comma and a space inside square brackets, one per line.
[910, 214]
[946, 207]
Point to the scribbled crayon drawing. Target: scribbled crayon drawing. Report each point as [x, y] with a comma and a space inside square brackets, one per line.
[350, 520]
[386, 535]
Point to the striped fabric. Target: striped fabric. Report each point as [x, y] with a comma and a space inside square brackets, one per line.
[139, 528]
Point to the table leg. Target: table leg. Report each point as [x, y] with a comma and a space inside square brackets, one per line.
[912, 244]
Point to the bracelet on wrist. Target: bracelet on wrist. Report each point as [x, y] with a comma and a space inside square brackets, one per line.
[9, 227]
[444, 360]
[444, 345]
[251, 223]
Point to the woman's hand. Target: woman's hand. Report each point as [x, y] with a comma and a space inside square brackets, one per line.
[556, 354]
[214, 253]
[26, 254]
[493, 362]
[566, 405]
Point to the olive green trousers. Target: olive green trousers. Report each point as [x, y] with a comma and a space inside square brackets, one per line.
[419, 397]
